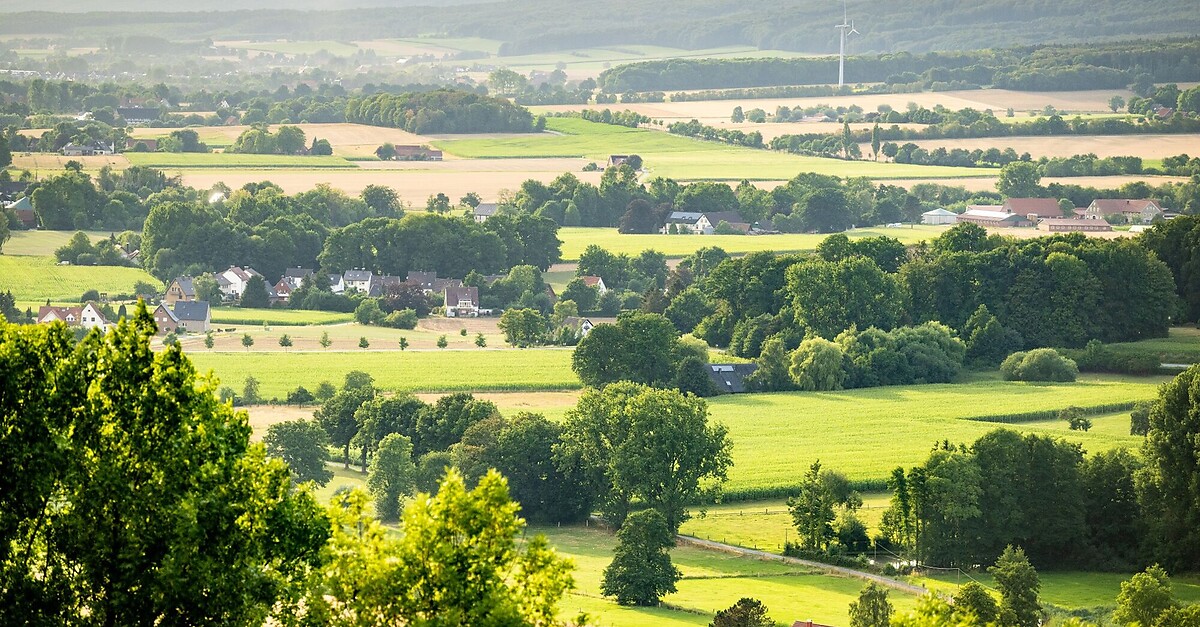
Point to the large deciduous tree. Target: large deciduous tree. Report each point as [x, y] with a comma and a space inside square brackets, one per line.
[647, 446]
[872, 608]
[132, 495]
[304, 446]
[829, 297]
[641, 571]
[1167, 485]
[392, 475]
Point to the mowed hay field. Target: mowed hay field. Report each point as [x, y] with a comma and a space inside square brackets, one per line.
[43, 243]
[867, 433]
[39, 278]
[425, 370]
[576, 239]
[711, 582]
[1144, 146]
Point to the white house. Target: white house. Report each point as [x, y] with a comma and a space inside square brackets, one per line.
[91, 318]
[193, 316]
[687, 221]
[234, 280]
[462, 302]
[484, 211]
[1134, 211]
[336, 284]
[596, 282]
[359, 280]
[939, 216]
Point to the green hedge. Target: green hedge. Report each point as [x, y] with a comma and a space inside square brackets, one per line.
[1051, 414]
[783, 492]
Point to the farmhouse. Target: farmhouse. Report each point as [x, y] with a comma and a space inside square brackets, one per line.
[993, 216]
[181, 288]
[596, 282]
[615, 161]
[23, 209]
[1033, 208]
[732, 218]
[484, 211]
[686, 222]
[939, 216]
[1133, 211]
[1071, 225]
[730, 378]
[462, 302]
[87, 150]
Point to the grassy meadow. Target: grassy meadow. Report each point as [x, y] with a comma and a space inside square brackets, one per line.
[43, 243]
[866, 433]
[678, 157]
[432, 370]
[575, 239]
[39, 278]
[238, 315]
[343, 334]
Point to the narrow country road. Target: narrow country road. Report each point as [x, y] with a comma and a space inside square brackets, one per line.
[837, 570]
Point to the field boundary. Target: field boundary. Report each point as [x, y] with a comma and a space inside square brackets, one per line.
[895, 584]
[1050, 414]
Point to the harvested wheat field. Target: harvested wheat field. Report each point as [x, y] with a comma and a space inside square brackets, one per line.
[551, 404]
[1144, 146]
[263, 416]
[45, 162]
[414, 186]
[534, 164]
[998, 100]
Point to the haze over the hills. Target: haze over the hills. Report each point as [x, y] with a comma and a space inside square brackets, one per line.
[533, 26]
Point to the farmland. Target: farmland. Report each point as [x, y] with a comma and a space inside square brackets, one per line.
[866, 433]
[576, 239]
[193, 160]
[431, 370]
[38, 279]
[344, 336]
[42, 243]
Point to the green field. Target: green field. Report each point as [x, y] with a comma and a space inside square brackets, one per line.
[866, 433]
[712, 581]
[1073, 590]
[237, 315]
[766, 525]
[1182, 345]
[428, 371]
[43, 243]
[38, 279]
[682, 158]
[220, 160]
[343, 335]
[575, 239]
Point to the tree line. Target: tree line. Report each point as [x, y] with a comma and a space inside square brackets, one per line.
[1048, 67]
[441, 111]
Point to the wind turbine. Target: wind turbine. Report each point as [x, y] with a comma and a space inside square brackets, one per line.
[847, 28]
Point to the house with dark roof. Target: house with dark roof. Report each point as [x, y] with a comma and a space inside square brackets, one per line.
[193, 316]
[484, 211]
[181, 288]
[165, 319]
[732, 218]
[359, 280]
[295, 276]
[1033, 209]
[462, 302]
[421, 280]
[730, 378]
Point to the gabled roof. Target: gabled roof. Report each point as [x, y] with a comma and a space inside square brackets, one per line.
[591, 281]
[192, 311]
[1041, 207]
[421, 279]
[297, 273]
[170, 314]
[939, 212]
[358, 275]
[683, 217]
[242, 274]
[23, 203]
[487, 209]
[730, 378]
[186, 285]
[991, 214]
[575, 322]
[60, 313]
[456, 295]
[1110, 206]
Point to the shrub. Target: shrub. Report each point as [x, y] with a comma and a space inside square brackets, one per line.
[401, 319]
[1041, 364]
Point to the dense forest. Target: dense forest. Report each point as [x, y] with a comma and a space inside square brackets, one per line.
[1047, 68]
[542, 25]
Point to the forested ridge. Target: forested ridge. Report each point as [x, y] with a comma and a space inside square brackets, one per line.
[543, 25]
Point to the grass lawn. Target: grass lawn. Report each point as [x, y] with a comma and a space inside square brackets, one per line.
[681, 158]
[1074, 590]
[190, 161]
[712, 581]
[343, 336]
[766, 525]
[43, 243]
[866, 433]
[575, 239]
[1181, 346]
[434, 370]
[38, 279]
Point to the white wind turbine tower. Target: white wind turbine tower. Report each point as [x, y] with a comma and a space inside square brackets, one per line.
[847, 28]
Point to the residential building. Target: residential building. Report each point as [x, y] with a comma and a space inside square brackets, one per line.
[732, 218]
[193, 316]
[295, 276]
[462, 302]
[181, 288]
[1071, 225]
[615, 161]
[90, 317]
[23, 209]
[423, 280]
[939, 216]
[359, 280]
[139, 115]
[581, 326]
[150, 144]
[484, 211]
[596, 282]
[66, 315]
[281, 292]
[234, 280]
[337, 284]
[165, 319]
[730, 378]
[1132, 211]
[686, 222]
[1033, 209]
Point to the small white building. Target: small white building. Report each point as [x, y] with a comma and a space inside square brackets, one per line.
[484, 211]
[939, 216]
[360, 281]
[234, 280]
